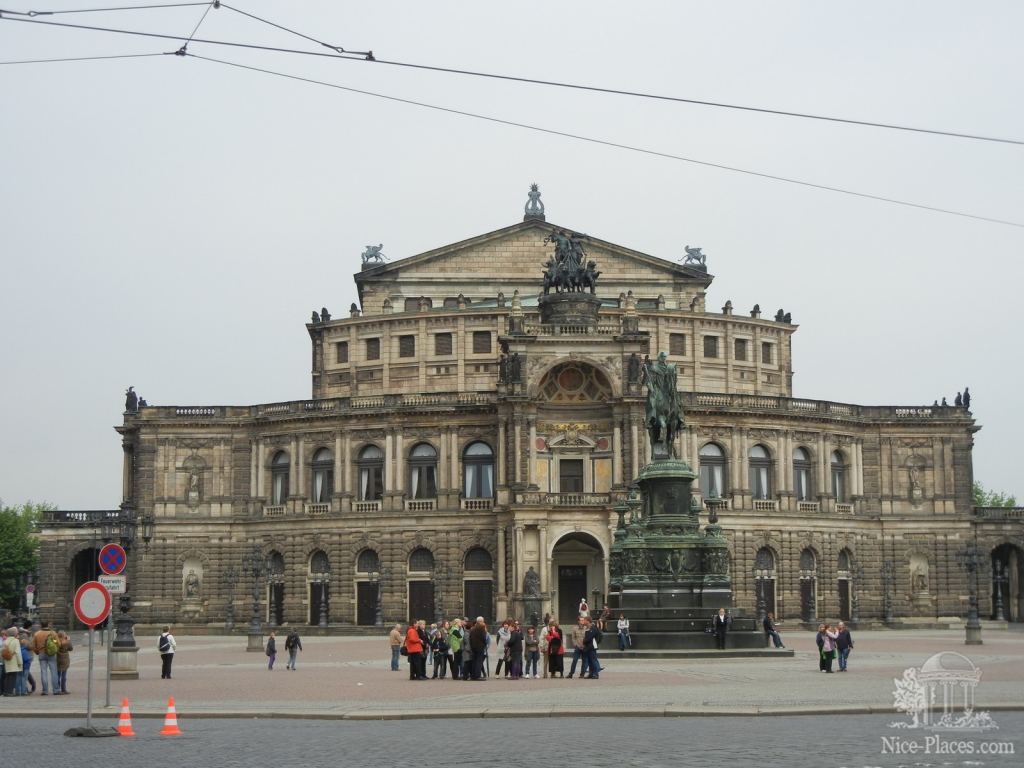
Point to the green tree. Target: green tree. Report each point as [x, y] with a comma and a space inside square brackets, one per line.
[19, 547]
[986, 498]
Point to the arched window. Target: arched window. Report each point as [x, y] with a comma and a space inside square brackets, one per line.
[478, 471]
[421, 560]
[764, 560]
[802, 474]
[323, 476]
[478, 559]
[844, 560]
[276, 566]
[838, 477]
[712, 471]
[371, 473]
[318, 563]
[423, 472]
[760, 472]
[279, 478]
[368, 562]
[807, 561]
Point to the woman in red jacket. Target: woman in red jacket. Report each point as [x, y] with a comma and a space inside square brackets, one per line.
[556, 649]
[414, 647]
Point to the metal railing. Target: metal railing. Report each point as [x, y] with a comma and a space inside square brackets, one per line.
[565, 499]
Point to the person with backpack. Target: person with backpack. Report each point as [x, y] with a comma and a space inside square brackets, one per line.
[293, 645]
[439, 645]
[166, 645]
[64, 660]
[45, 646]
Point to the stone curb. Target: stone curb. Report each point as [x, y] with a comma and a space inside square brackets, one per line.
[464, 714]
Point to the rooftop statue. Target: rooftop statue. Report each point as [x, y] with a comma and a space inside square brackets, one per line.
[695, 256]
[568, 270]
[373, 255]
[663, 412]
[534, 207]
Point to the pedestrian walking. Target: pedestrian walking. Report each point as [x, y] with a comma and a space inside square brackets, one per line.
[292, 644]
[514, 649]
[11, 653]
[395, 643]
[414, 652]
[625, 641]
[531, 651]
[64, 660]
[455, 640]
[591, 640]
[844, 644]
[45, 646]
[556, 649]
[579, 648]
[721, 626]
[771, 632]
[271, 651]
[166, 646]
[828, 646]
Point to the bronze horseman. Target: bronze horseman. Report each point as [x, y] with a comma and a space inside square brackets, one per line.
[663, 413]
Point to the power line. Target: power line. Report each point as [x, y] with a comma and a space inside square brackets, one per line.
[102, 10]
[616, 145]
[336, 48]
[84, 58]
[368, 56]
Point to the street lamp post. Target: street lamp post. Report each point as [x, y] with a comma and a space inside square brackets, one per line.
[378, 615]
[759, 576]
[858, 576]
[230, 578]
[969, 560]
[257, 565]
[999, 578]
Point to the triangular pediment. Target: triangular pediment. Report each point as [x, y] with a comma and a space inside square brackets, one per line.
[511, 259]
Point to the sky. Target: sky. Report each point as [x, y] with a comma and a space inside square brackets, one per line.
[169, 222]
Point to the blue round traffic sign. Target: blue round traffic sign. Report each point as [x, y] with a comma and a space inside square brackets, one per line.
[113, 559]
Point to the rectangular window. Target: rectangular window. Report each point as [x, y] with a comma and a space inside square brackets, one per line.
[442, 343]
[766, 353]
[741, 349]
[407, 346]
[570, 475]
[341, 352]
[646, 303]
[373, 349]
[710, 346]
[677, 344]
[481, 342]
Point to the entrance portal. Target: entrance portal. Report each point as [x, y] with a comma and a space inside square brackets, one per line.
[578, 565]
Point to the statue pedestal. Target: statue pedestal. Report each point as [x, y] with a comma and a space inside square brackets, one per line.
[569, 309]
[124, 662]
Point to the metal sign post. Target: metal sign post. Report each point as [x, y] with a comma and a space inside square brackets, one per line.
[110, 651]
[92, 603]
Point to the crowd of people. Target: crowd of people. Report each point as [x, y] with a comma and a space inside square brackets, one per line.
[462, 649]
[49, 647]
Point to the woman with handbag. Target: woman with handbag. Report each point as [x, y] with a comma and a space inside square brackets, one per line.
[556, 649]
[413, 648]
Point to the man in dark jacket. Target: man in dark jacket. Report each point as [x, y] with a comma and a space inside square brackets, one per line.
[293, 645]
[771, 632]
[721, 625]
[478, 644]
[844, 644]
[591, 639]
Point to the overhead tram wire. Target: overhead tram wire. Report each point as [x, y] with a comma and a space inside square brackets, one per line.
[213, 4]
[615, 145]
[87, 58]
[104, 10]
[341, 53]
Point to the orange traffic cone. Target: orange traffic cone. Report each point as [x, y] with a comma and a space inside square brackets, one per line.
[171, 720]
[124, 722]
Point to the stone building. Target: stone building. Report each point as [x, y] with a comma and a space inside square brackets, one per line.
[453, 441]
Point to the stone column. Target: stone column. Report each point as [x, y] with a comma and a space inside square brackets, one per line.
[500, 453]
[822, 468]
[339, 479]
[293, 466]
[261, 464]
[302, 488]
[389, 458]
[453, 443]
[542, 533]
[517, 559]
[501, 561]
[253, 467]
[634, 433]
[399, 484]
[617, 452]
[347, 441]
[858, 467]
[532, 469]
[518, 450]
[443, 474]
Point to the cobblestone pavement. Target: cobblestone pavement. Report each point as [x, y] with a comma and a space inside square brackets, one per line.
[349, 677]
[844, 741]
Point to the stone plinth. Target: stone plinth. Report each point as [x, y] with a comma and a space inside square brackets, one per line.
[124, 662]
[569, 309]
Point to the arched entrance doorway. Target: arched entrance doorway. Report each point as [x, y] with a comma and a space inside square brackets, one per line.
[84, 567]
[1008, 582]
[578, 570]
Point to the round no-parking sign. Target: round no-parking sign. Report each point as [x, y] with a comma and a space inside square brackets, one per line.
[92, 603]
[112, 559]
